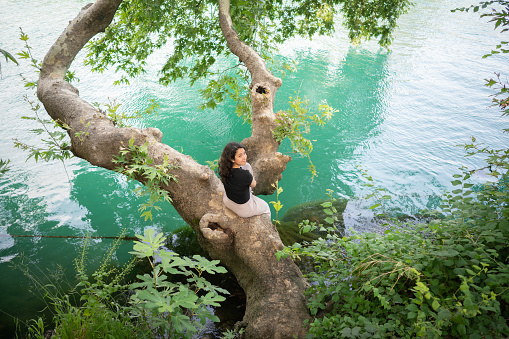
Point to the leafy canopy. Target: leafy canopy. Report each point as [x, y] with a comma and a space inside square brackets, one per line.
[192, 29]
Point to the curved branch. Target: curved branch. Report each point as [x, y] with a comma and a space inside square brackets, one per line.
[254, 63]
[95, 138]
[92, 19]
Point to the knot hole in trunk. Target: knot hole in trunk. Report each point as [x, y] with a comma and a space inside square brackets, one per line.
[261, 90]
[212, 228]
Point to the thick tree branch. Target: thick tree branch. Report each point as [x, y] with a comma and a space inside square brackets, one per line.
[262, 149]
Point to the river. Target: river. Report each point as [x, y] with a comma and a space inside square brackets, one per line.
[401, 114]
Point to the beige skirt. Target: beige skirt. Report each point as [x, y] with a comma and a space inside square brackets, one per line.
[254, 206]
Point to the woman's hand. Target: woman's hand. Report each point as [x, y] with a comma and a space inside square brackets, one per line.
[253, 183]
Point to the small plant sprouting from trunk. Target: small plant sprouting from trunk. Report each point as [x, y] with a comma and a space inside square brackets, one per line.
[135, 163]
[277, 204]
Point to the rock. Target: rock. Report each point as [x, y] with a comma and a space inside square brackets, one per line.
[313, 211]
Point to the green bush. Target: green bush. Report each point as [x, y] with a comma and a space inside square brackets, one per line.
[173, 310]
[446, 278]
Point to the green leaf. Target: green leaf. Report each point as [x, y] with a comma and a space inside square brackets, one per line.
[446, 253]
[8, 56]
[181, 322]
[185, 298]
[412, 307]
[306, 229]
[443, 314]
[212, 299]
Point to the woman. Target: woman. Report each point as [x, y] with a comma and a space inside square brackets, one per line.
[237, 177]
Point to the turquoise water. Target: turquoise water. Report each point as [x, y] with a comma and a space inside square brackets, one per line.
[400, 116]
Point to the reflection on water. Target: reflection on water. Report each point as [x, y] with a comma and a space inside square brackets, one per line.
[356, 88]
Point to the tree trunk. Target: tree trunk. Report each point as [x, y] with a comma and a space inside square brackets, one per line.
[276, 306]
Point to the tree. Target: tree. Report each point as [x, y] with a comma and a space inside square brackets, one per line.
[275, 304]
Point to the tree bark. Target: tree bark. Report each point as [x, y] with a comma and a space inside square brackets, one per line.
[276, 306]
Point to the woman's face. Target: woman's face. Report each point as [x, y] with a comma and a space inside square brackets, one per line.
[240, 158]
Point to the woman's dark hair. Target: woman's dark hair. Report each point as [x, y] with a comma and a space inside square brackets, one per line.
[225, 162]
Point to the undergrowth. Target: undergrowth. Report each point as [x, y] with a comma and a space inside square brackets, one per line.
[445, 278]
[105, 305]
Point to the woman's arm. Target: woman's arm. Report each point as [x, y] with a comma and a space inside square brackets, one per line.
[250, 169]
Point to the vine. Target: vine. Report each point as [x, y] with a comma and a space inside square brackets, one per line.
[56, 145]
